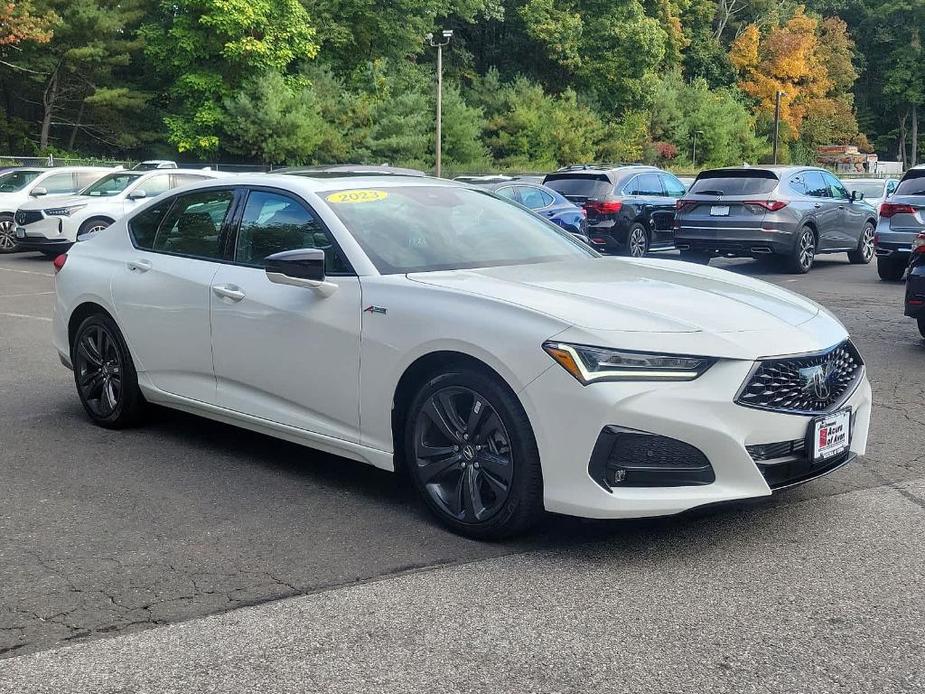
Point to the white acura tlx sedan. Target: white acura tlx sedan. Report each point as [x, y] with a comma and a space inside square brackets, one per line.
[414, 323]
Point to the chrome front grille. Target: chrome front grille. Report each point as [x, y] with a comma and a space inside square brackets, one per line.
[806, 384]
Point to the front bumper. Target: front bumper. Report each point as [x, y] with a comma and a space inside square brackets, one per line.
[46, 234]
[700, 413]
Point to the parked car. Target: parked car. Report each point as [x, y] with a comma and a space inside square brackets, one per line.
[21, 185]
[901, 218]
[915, 283]
[687, 181]
[415, 322]
[875, 190]
[53, 227]
[630, 208]
[152, 164]
[791, 212]
[542, 200]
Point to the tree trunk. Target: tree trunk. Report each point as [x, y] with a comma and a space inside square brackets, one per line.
[913, 159]
[49, 97]
[902, 139]
[80, 115]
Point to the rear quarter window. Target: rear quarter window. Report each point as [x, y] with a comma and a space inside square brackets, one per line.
[143, 227]
[733, 185]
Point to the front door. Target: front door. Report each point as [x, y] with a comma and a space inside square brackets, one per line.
[286, 354]
[163, 290]
[852, 215]
[826, 211]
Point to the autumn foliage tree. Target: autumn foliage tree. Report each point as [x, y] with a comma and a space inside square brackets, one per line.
[19, 22]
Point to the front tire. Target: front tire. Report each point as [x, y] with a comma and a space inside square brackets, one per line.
[697, 257]
[864, 253]
[637, 241]
[104, 374]
[92, 225]
[800, 260]
[921, 322]
[8, 242]
[890, 269]
[472, 456]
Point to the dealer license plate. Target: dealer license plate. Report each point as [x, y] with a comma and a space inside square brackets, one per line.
[719, 211]
[830, 435]
[20, 233]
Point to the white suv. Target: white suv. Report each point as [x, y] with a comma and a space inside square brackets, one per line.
[53, 228]
[18, 186]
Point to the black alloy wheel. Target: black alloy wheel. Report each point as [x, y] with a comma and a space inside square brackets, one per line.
[637, 241]
[804, 253]
[8, 243]
[864, 253]
[105, 376]
[472, 456]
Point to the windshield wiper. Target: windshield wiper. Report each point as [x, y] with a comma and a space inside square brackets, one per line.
[710, 192]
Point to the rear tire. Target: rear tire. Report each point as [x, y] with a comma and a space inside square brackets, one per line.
[864, 253]
[698, 257]
[921, 322]
[106, 380]
[890, 269]
[637, 241]
[801, 258]
[8, 242]
[471, 454]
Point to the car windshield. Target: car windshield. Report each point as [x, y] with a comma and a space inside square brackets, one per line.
[12, 181]
[719, 184]
[113, 184]
[871, 189]
[427, 228]
[912, 184]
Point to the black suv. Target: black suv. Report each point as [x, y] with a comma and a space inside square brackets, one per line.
[630, 208]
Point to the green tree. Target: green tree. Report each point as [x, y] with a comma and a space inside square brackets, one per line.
[205, 49]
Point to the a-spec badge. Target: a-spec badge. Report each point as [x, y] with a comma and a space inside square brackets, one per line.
[375, 309]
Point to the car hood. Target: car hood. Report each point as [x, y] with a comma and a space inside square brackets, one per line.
[60, 201]
[625, 295]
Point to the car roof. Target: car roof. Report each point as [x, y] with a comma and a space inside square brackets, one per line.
[314, 185]
[779, 170]
[346, 170]
[603, 168]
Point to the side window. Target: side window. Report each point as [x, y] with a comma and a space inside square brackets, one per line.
[835, 186]
[534, 198]
[507, 192]
[273, 223]
[673, 187]
[632, 188]
[890, 187]
[155, 185]
[59, 183]
[143, 227]
[177, 180]
[650, 184]
[194, 225]
[85, 178]
[798, 185]
[816, 185]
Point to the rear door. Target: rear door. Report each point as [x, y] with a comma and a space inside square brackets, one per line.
[827, 212]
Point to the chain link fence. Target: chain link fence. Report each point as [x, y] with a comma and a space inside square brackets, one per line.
[13, 160]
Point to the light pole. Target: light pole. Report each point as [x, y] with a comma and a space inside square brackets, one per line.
[777, 97]
[694, 153]
[447, 34]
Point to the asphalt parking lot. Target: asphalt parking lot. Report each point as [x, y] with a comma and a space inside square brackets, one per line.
[124, 556]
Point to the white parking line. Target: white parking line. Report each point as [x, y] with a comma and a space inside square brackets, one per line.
[12, 296]
[28, 272]
[23, 315]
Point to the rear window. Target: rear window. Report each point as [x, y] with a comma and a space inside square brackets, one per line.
[913, 183]
[734, 183]
[584, 185]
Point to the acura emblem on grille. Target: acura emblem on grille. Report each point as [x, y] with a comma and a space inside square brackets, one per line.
[816, 381]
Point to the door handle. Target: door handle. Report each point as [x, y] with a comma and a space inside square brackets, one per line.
[228, 291]
[139, 265]
[817, 205]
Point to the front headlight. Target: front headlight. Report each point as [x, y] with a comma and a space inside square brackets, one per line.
[590, 364]
[63, 211]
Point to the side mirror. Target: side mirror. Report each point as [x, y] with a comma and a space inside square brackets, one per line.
[301, 268]
[856, 195]
[38, 192]
[137, 195]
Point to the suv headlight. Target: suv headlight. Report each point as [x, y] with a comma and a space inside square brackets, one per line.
[590, 364]
[62, 211]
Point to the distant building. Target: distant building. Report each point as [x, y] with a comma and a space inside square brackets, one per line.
[846, 159]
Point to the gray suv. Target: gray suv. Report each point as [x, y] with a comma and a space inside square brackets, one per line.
[902, 216]
[790, 212]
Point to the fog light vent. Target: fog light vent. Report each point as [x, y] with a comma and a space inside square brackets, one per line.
[630, 458]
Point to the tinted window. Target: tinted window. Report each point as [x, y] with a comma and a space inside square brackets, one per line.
[673, 187]
[816, 185]
[586, 186]
[59, 183]
[913, 183]
[649, 184]
[507, 192]
[733, 185]
[890, 187]
[194, 225]
[534, 198]
[143, 227]
[422, 228]
[273, 223]
[155, 185]
[113, 184]
[836, 189]
[12, 181]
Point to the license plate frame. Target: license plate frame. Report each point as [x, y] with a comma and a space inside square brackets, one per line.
[719, 210]
[829, 436]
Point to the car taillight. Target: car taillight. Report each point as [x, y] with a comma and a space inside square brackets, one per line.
[888, 209]
[681, 205]
[604, 206]
[769, 205]
[918, 244]
[59, 262]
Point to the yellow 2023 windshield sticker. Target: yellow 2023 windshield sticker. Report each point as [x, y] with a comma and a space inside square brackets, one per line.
[355, 196]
